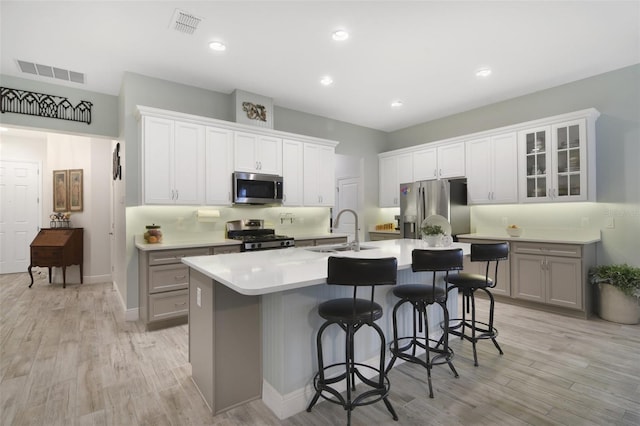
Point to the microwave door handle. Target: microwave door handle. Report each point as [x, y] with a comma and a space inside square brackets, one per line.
[275, 189]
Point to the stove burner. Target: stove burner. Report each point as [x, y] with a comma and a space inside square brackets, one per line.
[260, 239]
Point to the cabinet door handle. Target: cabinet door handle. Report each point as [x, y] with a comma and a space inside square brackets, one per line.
[177, 194]
[441, 172]
[435, 172]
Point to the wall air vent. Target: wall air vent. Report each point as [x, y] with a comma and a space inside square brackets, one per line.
[51, 72]
[184, 22]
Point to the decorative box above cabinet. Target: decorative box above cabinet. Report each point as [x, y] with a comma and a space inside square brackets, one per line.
[258, 153]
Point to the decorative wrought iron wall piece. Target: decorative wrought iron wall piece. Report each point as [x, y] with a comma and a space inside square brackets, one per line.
[41, 105]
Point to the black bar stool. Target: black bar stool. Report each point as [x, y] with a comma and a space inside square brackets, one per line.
[420, 296]
[350, 314]
[467, 284]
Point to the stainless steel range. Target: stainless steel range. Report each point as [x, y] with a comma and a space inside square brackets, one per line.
[255, 237]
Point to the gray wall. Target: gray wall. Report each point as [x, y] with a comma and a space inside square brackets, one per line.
[104, 112]
[616, 95]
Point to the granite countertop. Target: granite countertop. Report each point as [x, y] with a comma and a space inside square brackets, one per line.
[540, 236]
[271, 271]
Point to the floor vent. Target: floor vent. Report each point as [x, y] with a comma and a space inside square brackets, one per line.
[184, 22]
[51, 72]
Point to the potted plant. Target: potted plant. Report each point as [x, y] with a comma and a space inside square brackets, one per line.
[432, 234]
[619, 292]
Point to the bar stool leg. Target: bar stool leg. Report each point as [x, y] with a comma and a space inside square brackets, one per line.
[473, 329]
[427, 354]
[445, 336]
[493, 338]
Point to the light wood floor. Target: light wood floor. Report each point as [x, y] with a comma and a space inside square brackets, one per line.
[68, 357]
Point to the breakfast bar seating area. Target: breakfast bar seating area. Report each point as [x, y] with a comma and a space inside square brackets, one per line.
[279, 294]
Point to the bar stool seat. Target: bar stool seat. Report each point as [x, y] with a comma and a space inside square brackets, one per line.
[351, 314]
[467, 284]
[420, 297]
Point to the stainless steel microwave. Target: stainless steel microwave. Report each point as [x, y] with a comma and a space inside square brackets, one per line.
[256, 188]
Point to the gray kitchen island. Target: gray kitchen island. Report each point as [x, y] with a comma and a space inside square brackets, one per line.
[253, 321]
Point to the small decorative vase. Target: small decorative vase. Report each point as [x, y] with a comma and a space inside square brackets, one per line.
[432, 240]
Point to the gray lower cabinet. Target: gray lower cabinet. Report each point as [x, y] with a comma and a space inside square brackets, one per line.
[553, 274]
[164, 283]
[309, 242]
[381, 236]
[547, 276]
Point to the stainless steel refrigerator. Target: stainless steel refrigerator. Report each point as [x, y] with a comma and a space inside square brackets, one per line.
[419, 200]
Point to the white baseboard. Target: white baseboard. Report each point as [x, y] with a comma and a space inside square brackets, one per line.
[97, 279]
[284, 406]
[129, 314]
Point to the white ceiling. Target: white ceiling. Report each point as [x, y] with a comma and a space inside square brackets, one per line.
[422, 52]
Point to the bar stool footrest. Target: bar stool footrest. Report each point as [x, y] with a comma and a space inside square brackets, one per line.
[364, 398]
[483, 331]
[437, 355]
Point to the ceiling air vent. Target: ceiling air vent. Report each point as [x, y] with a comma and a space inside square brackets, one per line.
[184, 22]
[51, 72]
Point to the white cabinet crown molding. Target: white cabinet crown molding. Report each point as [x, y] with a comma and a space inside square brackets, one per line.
[591, 114]
[146, 111]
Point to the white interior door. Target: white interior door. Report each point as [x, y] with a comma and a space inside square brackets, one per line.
[347, 197]
[19, 213]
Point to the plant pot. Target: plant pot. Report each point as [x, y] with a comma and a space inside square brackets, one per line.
[432, 240]
[616, 306]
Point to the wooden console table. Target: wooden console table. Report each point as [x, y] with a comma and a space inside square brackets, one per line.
[59, 247]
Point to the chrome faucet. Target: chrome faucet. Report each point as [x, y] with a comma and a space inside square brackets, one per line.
[356, 242]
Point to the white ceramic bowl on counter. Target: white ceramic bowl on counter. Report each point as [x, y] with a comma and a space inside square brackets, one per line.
[514, 232]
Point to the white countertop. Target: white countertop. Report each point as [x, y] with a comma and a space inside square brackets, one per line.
[271, 271]
[190, 241]
[540, 236]
[207, 240]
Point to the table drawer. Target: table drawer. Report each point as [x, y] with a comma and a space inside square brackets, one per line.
[168, 278]
[171, 304]
[47, 256]
[163, 257]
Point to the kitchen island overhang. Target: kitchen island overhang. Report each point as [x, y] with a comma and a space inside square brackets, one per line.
[253, 321]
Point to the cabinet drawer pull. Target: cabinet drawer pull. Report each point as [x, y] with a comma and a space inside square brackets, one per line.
[165, 258]
[180, 277]
[180, 304]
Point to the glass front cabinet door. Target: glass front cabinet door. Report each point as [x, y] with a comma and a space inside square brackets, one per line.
[554, 162]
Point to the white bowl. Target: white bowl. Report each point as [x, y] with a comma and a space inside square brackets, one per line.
[514, 232]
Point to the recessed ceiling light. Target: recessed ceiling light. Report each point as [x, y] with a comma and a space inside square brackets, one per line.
[340, 35]
[483, 72]
[396, 104]
[218, 46]
[326, 81]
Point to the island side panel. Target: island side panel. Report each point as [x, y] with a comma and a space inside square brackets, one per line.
[201, 334]
[224, 343]
[237, 348]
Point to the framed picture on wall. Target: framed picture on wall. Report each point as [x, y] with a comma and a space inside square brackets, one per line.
[75, 190]
[60, 201]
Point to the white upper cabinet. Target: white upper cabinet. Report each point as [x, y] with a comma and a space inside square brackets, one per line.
[173, 162]
[292, 172]
[219, 166]
[546, 160]
[425, 165]
[492, 169]
[394, 170]
[451, 160]
[319, 175]
[558, 163]
[255, 153]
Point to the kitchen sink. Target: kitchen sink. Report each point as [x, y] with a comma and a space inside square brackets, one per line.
[336, 248]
